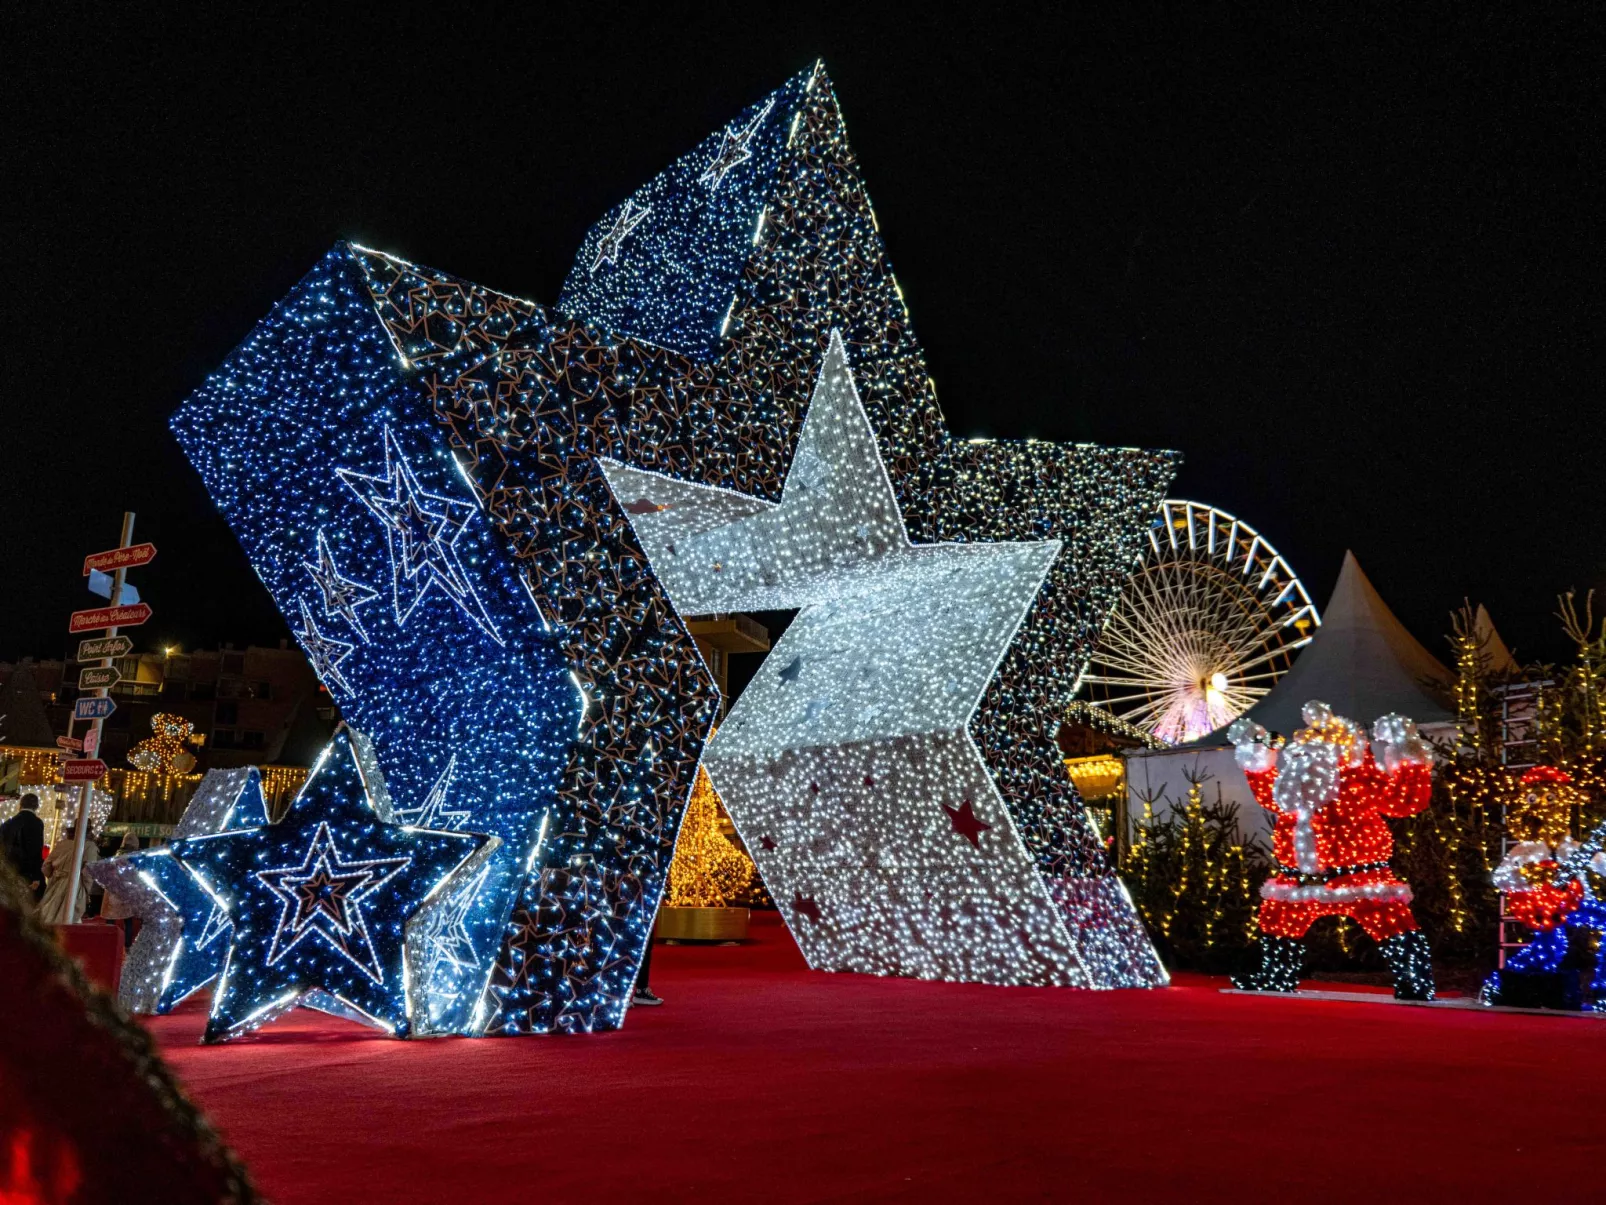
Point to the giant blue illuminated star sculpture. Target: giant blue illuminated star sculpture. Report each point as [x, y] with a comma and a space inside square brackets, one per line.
[325, 900]
[183, 936]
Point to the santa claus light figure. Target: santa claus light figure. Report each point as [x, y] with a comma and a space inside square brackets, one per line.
[1330, 791]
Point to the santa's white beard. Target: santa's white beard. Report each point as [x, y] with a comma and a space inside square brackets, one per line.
[1307, 781]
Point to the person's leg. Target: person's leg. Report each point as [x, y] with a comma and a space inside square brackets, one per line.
[644, 994]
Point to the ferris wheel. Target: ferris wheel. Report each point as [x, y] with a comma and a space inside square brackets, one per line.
[1210, 619]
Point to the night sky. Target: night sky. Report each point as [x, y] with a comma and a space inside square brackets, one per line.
[1351, 268]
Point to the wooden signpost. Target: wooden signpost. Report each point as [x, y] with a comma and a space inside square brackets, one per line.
[88, 769]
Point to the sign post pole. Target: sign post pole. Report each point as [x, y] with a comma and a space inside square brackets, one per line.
[101, 692]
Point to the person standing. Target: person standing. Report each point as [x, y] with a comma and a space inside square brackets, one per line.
[114, 907]
[22, 841]
[58, 876]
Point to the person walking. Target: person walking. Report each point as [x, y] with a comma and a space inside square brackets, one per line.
[22, 842]
[58, 876]
[114, 907]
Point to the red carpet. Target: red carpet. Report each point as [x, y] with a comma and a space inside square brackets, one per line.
[760, 1081]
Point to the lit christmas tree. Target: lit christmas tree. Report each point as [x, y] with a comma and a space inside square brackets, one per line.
[707, 871]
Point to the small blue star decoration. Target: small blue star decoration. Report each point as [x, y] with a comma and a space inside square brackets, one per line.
[332, 900]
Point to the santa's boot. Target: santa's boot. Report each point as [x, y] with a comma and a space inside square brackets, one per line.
[1411, 961]
[1281, 960]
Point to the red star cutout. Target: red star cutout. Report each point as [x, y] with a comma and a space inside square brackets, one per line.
[767, 841]
[868, 781]
[806, 905]
[965, 823]
[326, 893]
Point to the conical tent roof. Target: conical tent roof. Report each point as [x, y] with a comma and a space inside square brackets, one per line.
[1361, 661]
[1500, 660]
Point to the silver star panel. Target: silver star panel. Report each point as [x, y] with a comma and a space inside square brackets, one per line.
[225, 799]
[848, 759]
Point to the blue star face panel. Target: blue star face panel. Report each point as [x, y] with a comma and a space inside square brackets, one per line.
[324, 459]
[321, 901]
[695, 224]
[184, 934]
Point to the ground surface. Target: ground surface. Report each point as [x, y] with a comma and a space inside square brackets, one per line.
[761, 1081]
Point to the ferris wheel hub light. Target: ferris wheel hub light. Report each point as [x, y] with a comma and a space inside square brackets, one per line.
[1218, 682]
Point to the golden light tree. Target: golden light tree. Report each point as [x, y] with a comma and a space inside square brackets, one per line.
[707, 870]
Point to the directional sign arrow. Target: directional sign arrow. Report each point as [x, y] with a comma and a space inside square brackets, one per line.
[104, 646]
[120, 558]
[93, 709]
[109, 617]
[97, 677]
[83, 769]
[70, 742]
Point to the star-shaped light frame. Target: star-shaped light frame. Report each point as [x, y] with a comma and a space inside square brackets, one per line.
[325, 901]
[610, 245]
[734, 148]
[421, 531]
[341, 595]
[900, 642]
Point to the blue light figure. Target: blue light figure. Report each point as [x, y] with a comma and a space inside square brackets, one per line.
[328, 902]
[1547, 950]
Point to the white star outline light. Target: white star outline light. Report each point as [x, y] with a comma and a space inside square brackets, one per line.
[421, 532]
[325, 652]
[433, 812]
[733, 150]
[341, 595]
[324, 856]
[609, 244]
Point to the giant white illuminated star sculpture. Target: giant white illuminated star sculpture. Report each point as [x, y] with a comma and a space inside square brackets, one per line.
[847, 763]
[421, 531]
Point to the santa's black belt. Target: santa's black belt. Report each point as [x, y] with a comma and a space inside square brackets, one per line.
[1326, 876]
